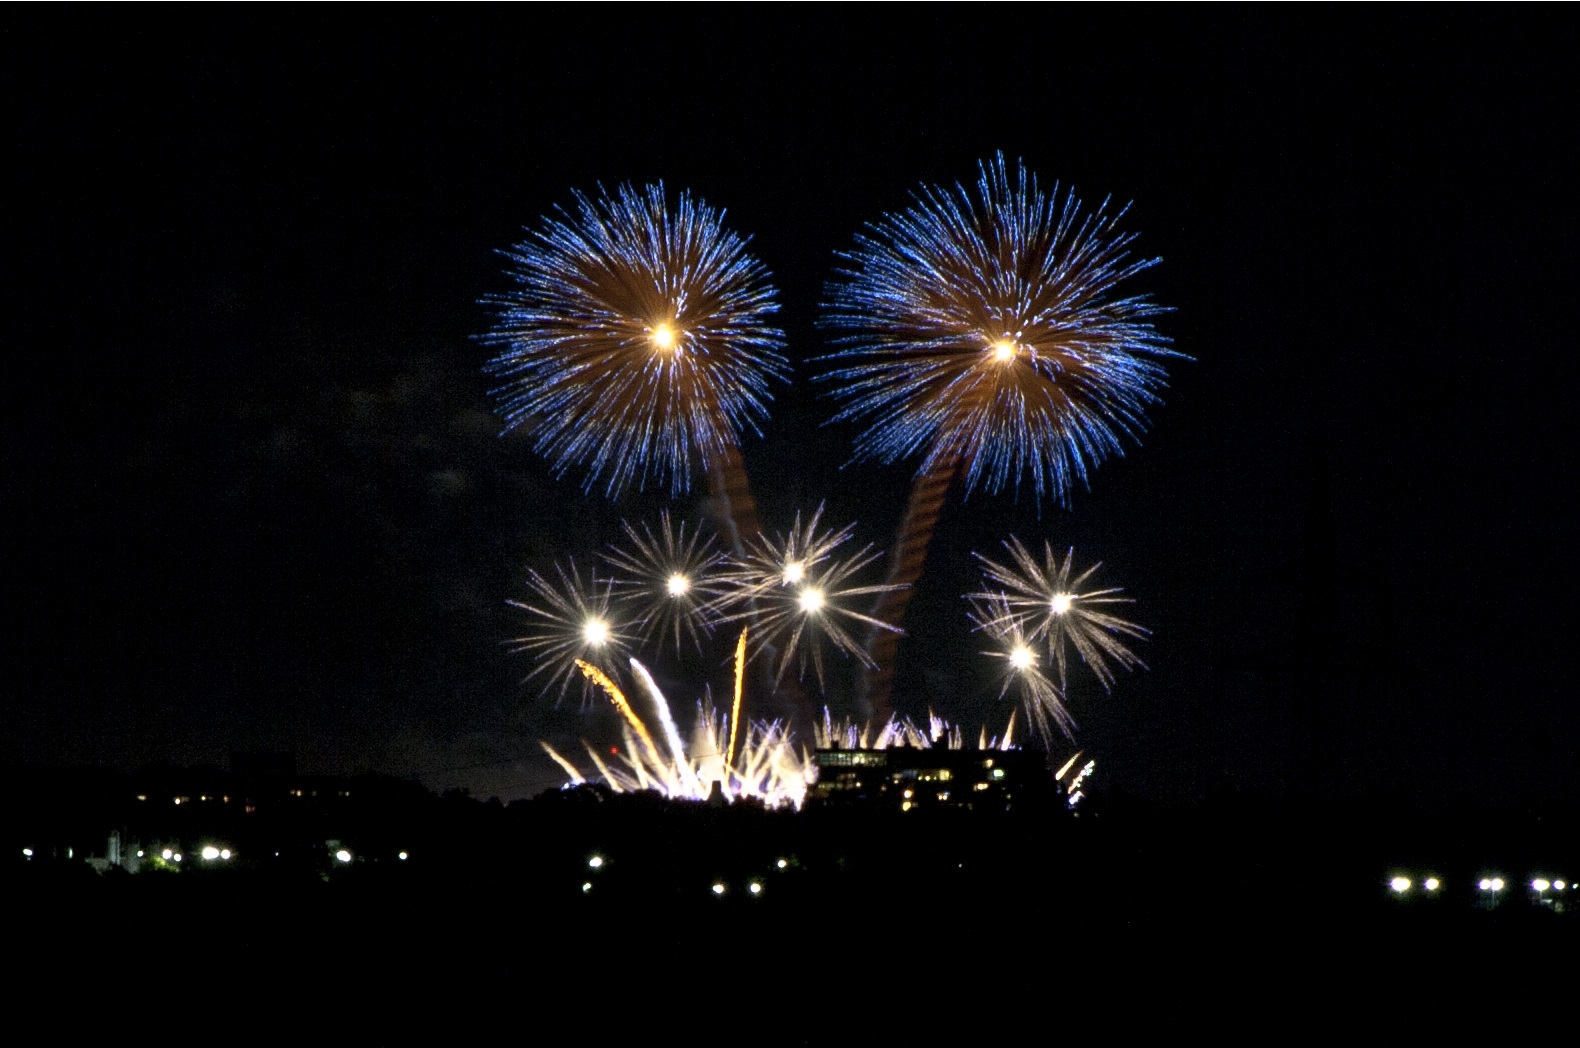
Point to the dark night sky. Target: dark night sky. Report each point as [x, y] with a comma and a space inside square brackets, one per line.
[257, 498]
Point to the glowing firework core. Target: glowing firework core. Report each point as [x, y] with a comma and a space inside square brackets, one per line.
[663, 338]
[595, 631]
[1060, 603]
[678, 585]
[811, 600]
[1004, 350]
[795, 571]
[1021, 657]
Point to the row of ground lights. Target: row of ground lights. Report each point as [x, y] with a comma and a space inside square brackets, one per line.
[1399, 884]
[754, 886]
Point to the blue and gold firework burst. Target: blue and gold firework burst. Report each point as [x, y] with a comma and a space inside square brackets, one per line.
[637, 344]
[983, 332]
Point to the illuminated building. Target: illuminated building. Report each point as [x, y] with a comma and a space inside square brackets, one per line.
[911, 779]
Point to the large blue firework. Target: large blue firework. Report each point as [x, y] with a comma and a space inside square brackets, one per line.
[983, 331]
[637, 344]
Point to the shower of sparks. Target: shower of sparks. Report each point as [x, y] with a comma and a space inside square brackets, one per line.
[1022, 672]
[986, 328]
[571, 622]
[831, 733]
[622, 704]
[768, 768]
[799, 594]
[1045, 604]
[637, 343]
[667, 581]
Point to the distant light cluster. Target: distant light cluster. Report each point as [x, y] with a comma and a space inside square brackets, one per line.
[986, 328]
[637, 345]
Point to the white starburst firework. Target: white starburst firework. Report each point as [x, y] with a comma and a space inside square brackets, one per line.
[798, 592]
[1045, 600]
[572, 621]
[668, 581]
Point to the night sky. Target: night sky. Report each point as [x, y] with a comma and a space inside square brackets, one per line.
[257, 496]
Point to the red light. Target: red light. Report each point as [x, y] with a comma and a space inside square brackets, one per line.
[615, 750]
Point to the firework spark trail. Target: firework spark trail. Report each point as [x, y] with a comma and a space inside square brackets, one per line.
[637, 344]
[730, 499]
[769, 767]
[677, 749]
[1044, 600]
[621, 703]
[740, 681]
[566, 766]
[983, 333]
[926, 501]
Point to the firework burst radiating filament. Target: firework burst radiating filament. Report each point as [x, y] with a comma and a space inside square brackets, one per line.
[800, 592]
[668, 581]
[1023, 670]
[1049, 602]
[985, 328]
[637, 344]
[572, 621]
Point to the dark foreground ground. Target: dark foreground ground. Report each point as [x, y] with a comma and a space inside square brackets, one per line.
[857, 917]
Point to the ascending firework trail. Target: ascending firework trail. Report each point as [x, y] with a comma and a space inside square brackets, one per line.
[981, 330]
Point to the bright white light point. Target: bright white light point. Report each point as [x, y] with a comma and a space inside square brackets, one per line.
[1484, 884]
[1560, 885]
[795, 571]
[663, 337]
[586, 886]
[782, 864]
[1060, 603]
[1497, 884]
[718, 889]
[1003, 350]
[755, 888]
[166, 854]
[176, 857]
[343, 855]
[211, 853]
[811, 599]
[1541, 884]
[1021, 658]
[1431, 884]
[595, 632]
[403, 856]
[595, 862]
[1400, 884]
[678, 585]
